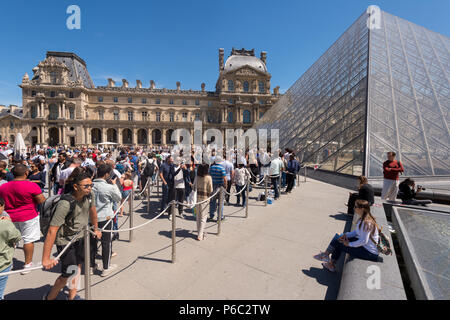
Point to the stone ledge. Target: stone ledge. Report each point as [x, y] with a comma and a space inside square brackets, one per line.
[354, 275]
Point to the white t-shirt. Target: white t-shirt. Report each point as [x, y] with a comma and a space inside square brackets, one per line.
[65, 174]
[179, 181]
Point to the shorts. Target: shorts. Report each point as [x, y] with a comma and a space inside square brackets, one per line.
[73, 256]
[30, 230]
[125, 193]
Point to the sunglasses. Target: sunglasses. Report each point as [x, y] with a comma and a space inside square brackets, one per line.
[86, 186]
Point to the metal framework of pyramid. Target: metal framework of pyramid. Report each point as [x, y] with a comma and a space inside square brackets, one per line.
[372, 91]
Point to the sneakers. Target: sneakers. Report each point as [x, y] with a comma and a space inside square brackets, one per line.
[27, 266]
[114, 254]
[210, 220]
[107, 272]
[329, 266]
[322, 257]
[92, 269]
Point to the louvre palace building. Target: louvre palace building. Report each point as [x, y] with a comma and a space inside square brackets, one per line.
[62, 106]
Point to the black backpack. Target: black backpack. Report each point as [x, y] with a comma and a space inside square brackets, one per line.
[149, 169]
[48, 209]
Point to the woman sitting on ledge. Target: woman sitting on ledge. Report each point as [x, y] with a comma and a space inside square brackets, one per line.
[360, 243]
[365, 192]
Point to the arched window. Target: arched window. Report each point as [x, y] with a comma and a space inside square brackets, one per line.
[230, 85]
[246, 86]
[247, 116]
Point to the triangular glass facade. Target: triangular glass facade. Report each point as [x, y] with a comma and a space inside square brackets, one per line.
[371, 92]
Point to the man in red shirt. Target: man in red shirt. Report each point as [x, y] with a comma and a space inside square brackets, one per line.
[391, 170]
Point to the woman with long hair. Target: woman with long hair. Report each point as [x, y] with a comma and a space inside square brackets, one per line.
[204, 186]
[365, 192]
[360, 243]
[127, 189]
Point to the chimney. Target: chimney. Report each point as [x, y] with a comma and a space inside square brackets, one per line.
[276, 90]
[263, 56]
[220, 59]
[152, 84]
[111, 83]
[178, 86]
[203, 87]
[138, 84]
[124, 83]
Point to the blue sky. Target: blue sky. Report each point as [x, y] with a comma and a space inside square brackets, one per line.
[170, 41]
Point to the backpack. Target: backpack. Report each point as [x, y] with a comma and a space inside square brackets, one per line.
[48, 209]
[383, 244]
[149, 169]
[120, 167]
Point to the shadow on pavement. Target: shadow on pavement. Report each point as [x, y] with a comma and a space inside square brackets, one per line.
[341, 216]
[33, 294]
[326, 278]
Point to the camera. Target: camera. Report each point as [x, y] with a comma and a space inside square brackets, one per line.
[420, 187]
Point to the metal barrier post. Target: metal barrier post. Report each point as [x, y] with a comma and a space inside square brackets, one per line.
[174, 225]
[220, 210]
[148, 195]
[305, 173]
[265, 187]
[131, 200]
[87, 265]
[157, 185]
[279, 184]
[246, 199]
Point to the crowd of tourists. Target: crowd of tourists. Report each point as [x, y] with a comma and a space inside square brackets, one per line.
[88, 186]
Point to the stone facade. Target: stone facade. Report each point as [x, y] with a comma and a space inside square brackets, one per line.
[62, 106]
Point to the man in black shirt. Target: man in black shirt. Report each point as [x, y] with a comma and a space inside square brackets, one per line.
[407, 193]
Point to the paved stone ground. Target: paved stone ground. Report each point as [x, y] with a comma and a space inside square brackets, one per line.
[266, 256]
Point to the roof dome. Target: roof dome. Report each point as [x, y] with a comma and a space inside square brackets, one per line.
[236, 61]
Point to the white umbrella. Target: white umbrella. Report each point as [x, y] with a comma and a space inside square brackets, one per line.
[20, 149]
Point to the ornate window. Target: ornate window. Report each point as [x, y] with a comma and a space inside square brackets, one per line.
[197, 116]
[71, 113]
[230, 86]
[197, 102]
[116, 115]
[100, 99]
[158, 101]
[171, 116]
[230, 101]
[184, 102]
[71, 94]
[230, 117]
[101, 114]
[33, 112]
[53, 112]
[130, 115]
[144, 116]
[52, 94]
[116, 99]
[130, 100]
[246, 86]
[33, 93]
[184, 116]
[53, 78]
[158, 116]
[171, 101]
[262, 88]
[246, 117]
[209, 103]
[144, 100]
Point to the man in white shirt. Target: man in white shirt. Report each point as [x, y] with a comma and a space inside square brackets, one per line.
[229, 169]
[67, 172]
[276, 167]
[179, 184]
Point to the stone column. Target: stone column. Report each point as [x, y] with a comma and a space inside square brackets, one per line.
[163, 136]
[63, 110]
[135, 141]
[104, 137]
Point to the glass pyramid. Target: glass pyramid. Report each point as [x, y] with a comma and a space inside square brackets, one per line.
[373, 91]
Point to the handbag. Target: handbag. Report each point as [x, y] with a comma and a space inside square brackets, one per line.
[383, 244]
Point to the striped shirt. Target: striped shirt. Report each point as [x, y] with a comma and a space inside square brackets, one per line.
[217, 173]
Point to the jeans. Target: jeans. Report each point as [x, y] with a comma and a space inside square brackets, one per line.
[213, 202]
[283, 179]
[290, 182]
[275, 186]
[227, 197]
[3, 281]
[165, 196]
[180, 198]
[238, 189]
[56, 188]
[336, 248]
